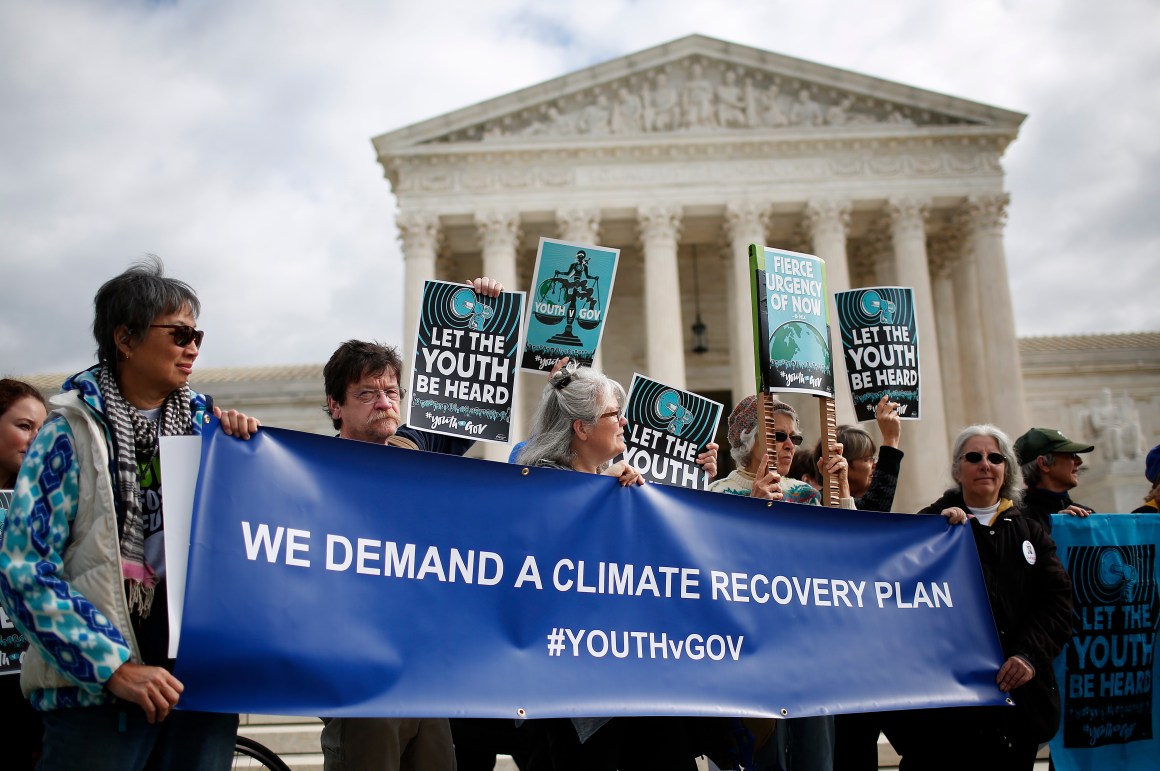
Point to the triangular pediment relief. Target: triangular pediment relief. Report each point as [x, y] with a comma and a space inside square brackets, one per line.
[696, 85]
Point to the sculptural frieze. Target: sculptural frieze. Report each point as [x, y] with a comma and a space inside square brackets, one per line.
[695, 95]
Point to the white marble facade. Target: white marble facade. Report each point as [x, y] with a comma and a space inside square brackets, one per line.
[689, 152]
[696, 149]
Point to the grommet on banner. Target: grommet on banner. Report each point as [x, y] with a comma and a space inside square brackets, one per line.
[769, 504]
[1009, 701]
[525, 470]
[784, 712]
[520, 712]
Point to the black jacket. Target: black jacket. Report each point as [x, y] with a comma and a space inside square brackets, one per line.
[880, 495]
[1031, 599]
[1040, 504]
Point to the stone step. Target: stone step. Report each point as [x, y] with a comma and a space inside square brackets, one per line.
[295, 739]
[286, 739]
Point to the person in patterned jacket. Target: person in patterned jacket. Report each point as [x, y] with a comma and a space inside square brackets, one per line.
[82, 562]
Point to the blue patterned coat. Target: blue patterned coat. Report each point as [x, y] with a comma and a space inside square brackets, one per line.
[60, 567]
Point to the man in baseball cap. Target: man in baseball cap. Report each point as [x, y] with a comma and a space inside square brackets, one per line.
[1050, 464]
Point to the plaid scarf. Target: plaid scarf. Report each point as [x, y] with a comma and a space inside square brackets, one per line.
[135, 444]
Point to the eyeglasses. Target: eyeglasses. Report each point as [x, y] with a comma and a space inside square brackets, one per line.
[781, 436]
[618, 414]
[566, 371]
[994, 458]
[183, 334]
[371, 395]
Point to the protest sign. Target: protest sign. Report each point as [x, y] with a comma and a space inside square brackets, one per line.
[343, 578]
[791, 327]
[1107, 673]
[463, 378]
[880, 343]
[571, 290]
[667, 428]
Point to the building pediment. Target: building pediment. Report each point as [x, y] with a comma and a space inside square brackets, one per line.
[696, 86]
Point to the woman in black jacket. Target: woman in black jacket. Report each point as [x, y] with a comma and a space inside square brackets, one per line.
[1030, 597]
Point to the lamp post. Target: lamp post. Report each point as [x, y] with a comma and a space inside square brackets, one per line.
[700, 338]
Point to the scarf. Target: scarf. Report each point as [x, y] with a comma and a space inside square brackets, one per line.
[135, 444]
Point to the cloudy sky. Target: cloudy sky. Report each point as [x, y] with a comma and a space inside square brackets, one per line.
[232, 138]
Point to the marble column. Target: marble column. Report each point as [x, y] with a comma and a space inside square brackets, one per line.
[660, 228]
[879, 245]
[420, 236]
[581, 226]
[986, 216]
[925, 440]
[976, 391]
[499, 236]
[827, 221]
[745, 224]
[943, 255]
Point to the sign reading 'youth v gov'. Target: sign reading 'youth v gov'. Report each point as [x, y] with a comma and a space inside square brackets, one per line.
[571, 290]
[334, 577]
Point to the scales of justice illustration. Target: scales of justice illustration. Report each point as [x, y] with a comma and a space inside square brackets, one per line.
[570, 297]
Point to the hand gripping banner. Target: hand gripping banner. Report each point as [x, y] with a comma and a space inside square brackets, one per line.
[335, 577]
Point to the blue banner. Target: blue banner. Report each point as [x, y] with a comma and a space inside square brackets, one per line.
[335, 577]
[1107, 673]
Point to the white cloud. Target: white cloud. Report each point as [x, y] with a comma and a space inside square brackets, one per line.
[233, 139]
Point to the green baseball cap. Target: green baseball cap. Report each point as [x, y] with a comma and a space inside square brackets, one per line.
[1041, 441]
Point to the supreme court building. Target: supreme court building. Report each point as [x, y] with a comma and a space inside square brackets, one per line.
[684, 154]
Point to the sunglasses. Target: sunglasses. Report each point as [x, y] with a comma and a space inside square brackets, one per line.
[994, 458]
[781, 436]
[183, 334]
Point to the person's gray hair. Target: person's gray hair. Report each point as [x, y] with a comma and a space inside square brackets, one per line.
[576, 394]
[742, 453]
[857, 444]
[1012, 477]
[133, 300]
[1030, 469]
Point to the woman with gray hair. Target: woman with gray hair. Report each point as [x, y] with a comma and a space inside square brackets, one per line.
[1030, 596]
[82, 564]
[579, 425]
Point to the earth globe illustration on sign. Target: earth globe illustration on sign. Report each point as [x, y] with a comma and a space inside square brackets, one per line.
[797, 341]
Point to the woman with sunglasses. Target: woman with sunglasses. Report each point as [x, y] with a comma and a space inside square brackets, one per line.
[806, 743]
[579, 425]
[1030, 597]
[752, 478]
[82, 564]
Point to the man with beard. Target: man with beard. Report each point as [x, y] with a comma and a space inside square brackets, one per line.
[363, 399]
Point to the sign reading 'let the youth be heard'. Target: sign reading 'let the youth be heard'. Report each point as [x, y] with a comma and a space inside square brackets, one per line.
[667, 428]
[880, 343]
[464, 371]
[791, 326]
[342, 578]
[1108, 671]
[571, 289]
